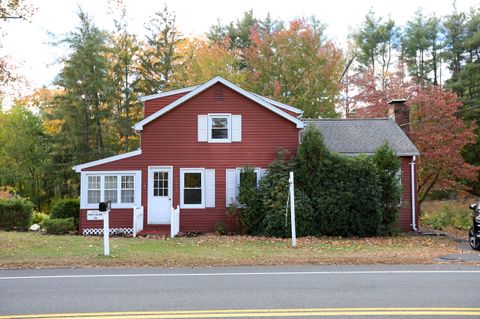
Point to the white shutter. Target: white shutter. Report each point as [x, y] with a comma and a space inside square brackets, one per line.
[210, 187]
[236, 128]
[230, 186]
[202, 128]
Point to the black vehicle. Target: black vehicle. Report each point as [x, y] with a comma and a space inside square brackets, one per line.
[474, 234]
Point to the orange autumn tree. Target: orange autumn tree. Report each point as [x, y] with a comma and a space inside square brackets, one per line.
[439, 134]
[296, 65]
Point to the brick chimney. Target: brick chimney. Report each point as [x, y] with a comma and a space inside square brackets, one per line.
[399, 112]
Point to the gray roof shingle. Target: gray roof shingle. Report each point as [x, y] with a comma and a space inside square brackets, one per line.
[363, 136]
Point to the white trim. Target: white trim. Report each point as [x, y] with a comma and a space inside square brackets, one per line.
[150, 189]
[78, 168]
[229, 127]
[168, 93]
[182, 181]
[137, 198]
[203, 87]
[280, 104]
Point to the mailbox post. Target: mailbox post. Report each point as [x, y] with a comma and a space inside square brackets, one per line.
[104, 208]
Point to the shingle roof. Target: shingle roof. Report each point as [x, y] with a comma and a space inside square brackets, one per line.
[363, 136]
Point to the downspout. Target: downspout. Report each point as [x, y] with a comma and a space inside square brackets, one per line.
[412, 175]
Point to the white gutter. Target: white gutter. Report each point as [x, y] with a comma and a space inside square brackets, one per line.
[412, 175]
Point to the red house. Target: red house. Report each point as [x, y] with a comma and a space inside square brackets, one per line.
[194, 142]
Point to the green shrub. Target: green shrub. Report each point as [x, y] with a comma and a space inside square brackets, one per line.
[15, 213]
[67, 208]
[59, 225]
[460, 218]
[220, 228]
[39, 217]
[388, 164]
[250, 211]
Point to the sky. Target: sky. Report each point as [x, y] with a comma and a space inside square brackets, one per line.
[29, 43]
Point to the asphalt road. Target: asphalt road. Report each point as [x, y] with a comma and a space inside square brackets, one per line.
[321, 291]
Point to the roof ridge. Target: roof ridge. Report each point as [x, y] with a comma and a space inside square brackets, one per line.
[349, 119]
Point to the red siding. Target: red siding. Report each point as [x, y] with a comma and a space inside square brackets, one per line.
[171, 140]
[152, 106]
[405, 214]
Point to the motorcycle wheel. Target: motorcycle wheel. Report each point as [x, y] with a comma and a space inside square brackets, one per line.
[474, 242]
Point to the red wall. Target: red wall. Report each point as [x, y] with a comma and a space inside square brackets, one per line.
[152, 106]
[171, 140]
[405, 214]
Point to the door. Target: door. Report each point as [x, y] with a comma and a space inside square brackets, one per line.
[159, 195]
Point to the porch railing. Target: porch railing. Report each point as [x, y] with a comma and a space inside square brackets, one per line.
[137, 220]
[175, 221]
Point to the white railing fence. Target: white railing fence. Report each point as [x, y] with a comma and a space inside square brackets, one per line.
[175, 221]
[137, 220]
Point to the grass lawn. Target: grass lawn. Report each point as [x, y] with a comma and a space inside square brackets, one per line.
[451, 216]
[35, 250]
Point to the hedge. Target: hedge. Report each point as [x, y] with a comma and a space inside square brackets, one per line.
[58, 226]
[15, 214]
[67, 208]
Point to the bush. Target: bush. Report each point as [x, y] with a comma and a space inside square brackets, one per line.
[388, 164]
[67, 208]
[59, 226]
[221, 228]
[448, 216]
[39, 217]
[15, 213]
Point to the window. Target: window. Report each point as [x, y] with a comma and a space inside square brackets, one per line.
[192, 188]
[160, 184]
[128, 191]
[219, 128]
[94, 189]
[119, 189]
[240, 173]
[110, 192]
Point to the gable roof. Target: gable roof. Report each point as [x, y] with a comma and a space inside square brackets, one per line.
[198, 89]
[363, 136]
[78, 168]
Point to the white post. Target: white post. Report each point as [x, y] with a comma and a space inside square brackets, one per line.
[106, 233]
[292, 210]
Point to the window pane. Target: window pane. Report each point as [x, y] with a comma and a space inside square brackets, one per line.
[160, 184]
[193, 180]
[110, 182]
[93, 197]
[219, 133]
[127, 196]
[127, 182]
[111, 195]
[93, 182]
[219, 122]
[192, 196]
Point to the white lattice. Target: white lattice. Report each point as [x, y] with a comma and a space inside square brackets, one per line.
[113, 231]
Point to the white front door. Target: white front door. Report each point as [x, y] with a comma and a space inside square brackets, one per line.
[159, 195]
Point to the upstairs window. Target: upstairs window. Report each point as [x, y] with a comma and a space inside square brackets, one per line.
[219, 128]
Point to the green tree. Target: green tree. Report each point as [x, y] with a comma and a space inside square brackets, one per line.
[124, 77]
[84, 79]
[24, 154]
[388, 167]
[376, 43]
[159, 54]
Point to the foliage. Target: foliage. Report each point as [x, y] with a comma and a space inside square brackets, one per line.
[306, 77]
[24, 154]
[220, 228]
[251, 209]
[67, 208]
[39, 218]
[58, 226]
[345, 192]
[388, 166]
[15, 213]
[158, 58]
[448, 216]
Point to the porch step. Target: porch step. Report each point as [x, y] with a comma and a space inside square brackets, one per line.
[159, 230]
